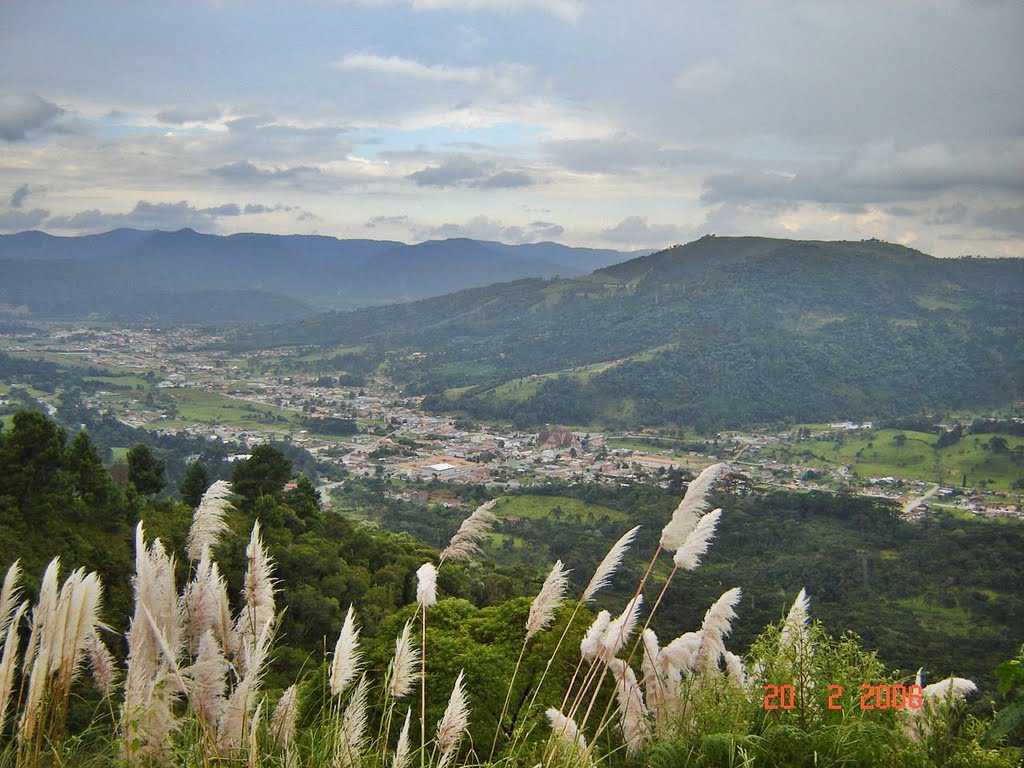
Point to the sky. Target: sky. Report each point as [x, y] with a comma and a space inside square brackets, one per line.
[600, 123]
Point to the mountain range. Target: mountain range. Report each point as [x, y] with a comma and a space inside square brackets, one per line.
[723, 331]
[188, 277]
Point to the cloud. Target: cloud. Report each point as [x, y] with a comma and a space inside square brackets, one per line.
[397, 65]
[624, 153]
[18, 221]
[386, 220]
[487, 228]
[506, 180]
[1007, 219]
[546, 230]
[450, 172]
[186, 114]
[24, 113]
[635, 230]
[19, 196]
[877, 173]
[566, 10]
[244, 172]
[148, 215]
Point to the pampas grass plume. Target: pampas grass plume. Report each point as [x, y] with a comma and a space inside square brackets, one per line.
[618, 631]
[345, 665]
[402, 749]
[590, 645]
[405, 664]
[353, 726]
[544, 605]
[453, 722]
[208, 520]
[692, 505]
[716, 626]
[570, 741]
[426, 585]
[607, 568]
[285, 717]
[697, 542]
[465, 544]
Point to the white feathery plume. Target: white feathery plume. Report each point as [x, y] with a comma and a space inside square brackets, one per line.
[919, 677]
[283, 721]
[544, 605]
[426, 585]
[607, 568]
[591, 642]
[208, 520]
[102, 664]
[231, 728]
[353, 726]
[465, 544]
[200, 601]
[345, 664]
[405, 665]
[735, 670]
[714, 629]
[9, 660]
[619, 629]
[258, 612]
[681, 652]
[949, 689]
[635, 727]
[209, 680]
[84, 593]
[568, 739]
[654, 685]
[697, 542]
[402, 749]
[794, 631]
[44, 647]
[150, 691]
[9, 595]
[693, 504]
[945, 691]
[42, 612]
[453, 723]
[253, 751]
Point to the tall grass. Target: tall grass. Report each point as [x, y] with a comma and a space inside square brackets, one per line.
[191, 690]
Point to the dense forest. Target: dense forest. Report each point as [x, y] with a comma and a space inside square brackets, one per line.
[719, 332]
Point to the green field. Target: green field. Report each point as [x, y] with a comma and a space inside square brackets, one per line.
[543, 507]
[878, 453]
[197, 406]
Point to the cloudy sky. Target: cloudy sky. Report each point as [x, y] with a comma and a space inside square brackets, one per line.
[590, 122]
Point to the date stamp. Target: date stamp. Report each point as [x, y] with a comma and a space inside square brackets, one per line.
[870, 697]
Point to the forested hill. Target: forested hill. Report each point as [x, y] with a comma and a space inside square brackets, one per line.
[188, 277]
[719, 332]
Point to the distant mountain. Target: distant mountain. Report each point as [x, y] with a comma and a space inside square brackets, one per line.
[67, 277]
[723, 331]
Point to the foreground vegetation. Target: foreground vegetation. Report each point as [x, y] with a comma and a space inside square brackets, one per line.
[501, 680]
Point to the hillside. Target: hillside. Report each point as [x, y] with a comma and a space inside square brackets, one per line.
[720, 332]
[131, 276]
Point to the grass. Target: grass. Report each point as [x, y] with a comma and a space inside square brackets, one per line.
[537, 507]
[877, 454]
[950, 620]
[197, 406]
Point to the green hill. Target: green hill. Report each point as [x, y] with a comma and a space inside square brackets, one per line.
[719, 332]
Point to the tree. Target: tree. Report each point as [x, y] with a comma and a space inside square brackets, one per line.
[90, 478]
[997, 444]
[145, 471]
[194, 484]
[265, 472]
[900, 440]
